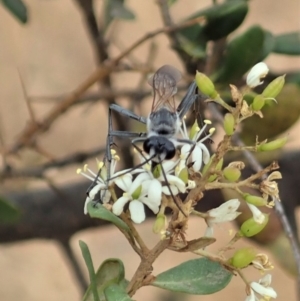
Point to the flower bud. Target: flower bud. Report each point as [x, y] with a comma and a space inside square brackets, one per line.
[205, 85]
[159, 224]
[207, 166]
[255, 75]
[275, 144]
[194, 130]
[229, 124]
[274, 87]
[156, 171]
[255, 200]
[243, 257]
[250, 227]
[136, 194]
[184, 175]
[258, 103]
[231, 174]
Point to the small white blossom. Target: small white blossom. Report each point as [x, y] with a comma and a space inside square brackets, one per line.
[101, 183]
[262, 288]
[224, 213]
[174, 183]
[255, 75]
[199, 150]
[149, 194]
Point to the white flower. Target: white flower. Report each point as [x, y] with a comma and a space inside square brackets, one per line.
[101, 183]
[255, 75]
[174, 183]
[262, 288]
[138, 192]
[199, 150]
[224, 213]
[258, 216]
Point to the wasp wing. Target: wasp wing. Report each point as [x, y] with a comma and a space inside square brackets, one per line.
[164, 84]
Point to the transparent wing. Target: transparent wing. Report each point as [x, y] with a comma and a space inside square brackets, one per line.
[164, 84]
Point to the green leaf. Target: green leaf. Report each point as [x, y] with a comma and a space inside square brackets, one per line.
[224, 19]
[116, 9]
[288, 43]
[99, 211]
[242, 53]
[17, 8]
[198, 276]
[115, 293]
[89, 263]
[221, 20]
[110, 272]
[193, 49]
[268, 45]
[8, 213]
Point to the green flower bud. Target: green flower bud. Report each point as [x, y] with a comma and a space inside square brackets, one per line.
[207, 166]
[184, 175]
[160, 223]
[156, 171]
[194, 130]
[231, 173]
[136, 194]
[243, 257]
[250, 227]
[229, 124]
[258, 103]
[275, 144]
[205, 85]
[274, 87]
[255, 200]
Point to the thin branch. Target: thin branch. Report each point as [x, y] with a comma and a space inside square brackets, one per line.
[29, 106]
[38, 172]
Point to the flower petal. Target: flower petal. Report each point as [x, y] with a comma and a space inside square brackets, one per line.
[154, 191]
[166, 190]
[87, 200]
[151, 204]
[137, 211]
[124, 182]
[258, 216]
[95, 190]
[138, 181]
[173, 180]
[118, 206]
[264, 291]
[197, 158]
[255, 75]
[205, 152]
[105, 196]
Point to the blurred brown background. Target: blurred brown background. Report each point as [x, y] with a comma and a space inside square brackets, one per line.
[54, 55]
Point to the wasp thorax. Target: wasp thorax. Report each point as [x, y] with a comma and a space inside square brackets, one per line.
[163, 122]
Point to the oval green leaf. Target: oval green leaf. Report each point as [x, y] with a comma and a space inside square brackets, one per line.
[288, 43]
[242, 53]
[99, 211]
[198, 276]
[115, 293]
[110, 272]
[17, 8]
